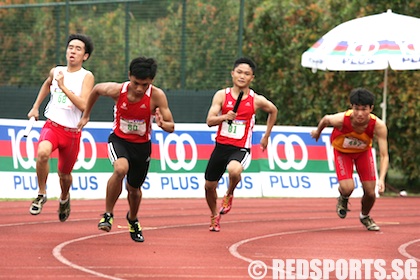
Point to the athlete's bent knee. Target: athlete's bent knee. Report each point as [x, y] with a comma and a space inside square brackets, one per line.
[210, 185]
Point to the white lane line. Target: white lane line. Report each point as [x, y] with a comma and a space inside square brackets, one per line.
[233, 249]
[57, 254]
[402, 250]
[57, 250]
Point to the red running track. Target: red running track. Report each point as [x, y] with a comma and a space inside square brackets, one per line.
[178, 244]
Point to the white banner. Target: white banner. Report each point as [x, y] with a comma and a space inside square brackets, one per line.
[294, 165]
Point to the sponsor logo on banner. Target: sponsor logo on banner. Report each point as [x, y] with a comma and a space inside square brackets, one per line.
[293, 165]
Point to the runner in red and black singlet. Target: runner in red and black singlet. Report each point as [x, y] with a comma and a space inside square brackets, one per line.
[234, 135]
[137, 101]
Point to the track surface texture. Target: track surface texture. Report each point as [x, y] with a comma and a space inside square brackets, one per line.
[178, 244]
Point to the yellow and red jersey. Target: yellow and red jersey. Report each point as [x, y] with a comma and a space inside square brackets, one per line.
[346, 140]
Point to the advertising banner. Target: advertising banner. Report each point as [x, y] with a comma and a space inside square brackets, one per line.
[293, 165]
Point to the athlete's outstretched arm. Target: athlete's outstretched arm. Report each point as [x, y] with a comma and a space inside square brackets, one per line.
[335, 120]
[106, 89]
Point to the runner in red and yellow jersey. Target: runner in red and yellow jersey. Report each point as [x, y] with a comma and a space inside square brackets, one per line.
[351, 139]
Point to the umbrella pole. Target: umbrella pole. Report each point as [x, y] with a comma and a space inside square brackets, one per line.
[384, 94]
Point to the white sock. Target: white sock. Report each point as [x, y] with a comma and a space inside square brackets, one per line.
[64, 201]
[363, 216]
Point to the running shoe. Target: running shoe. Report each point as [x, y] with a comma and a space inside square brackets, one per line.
[135, 230]
[64, 210]
[106, 222]
[369, 223]
[226, 204]
[342, 206]
[37, 204]
[215, 223]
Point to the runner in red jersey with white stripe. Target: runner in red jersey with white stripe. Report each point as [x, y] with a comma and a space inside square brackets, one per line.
[239, 132]
[133, 120]
[137, 101]
[234, 135]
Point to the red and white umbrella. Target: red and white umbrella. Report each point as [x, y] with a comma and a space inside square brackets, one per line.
[376, 42]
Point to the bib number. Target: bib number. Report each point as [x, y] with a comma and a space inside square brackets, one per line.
[133, 126]
[61, 100]
[354, 143]
[236, 130]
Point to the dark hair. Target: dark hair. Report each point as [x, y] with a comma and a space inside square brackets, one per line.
[143, 68]
[361, 96]
[85, 39]
[246, 61]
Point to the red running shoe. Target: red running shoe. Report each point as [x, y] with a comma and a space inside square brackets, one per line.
[226, 204]
[215, 223]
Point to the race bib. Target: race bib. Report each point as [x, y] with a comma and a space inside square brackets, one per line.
[354, 143]
[133, 126]
[60, 100]
[236, 130]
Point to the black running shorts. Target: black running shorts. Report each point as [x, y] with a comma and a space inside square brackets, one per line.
[220, 158]
[137, 154]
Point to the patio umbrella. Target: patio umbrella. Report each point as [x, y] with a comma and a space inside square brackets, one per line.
[376, 42]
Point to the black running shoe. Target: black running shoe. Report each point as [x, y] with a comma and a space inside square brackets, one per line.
[37, 203]
[342, 208]
[106, 222]
[369, 223]
[135, 230]
[64, 210]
